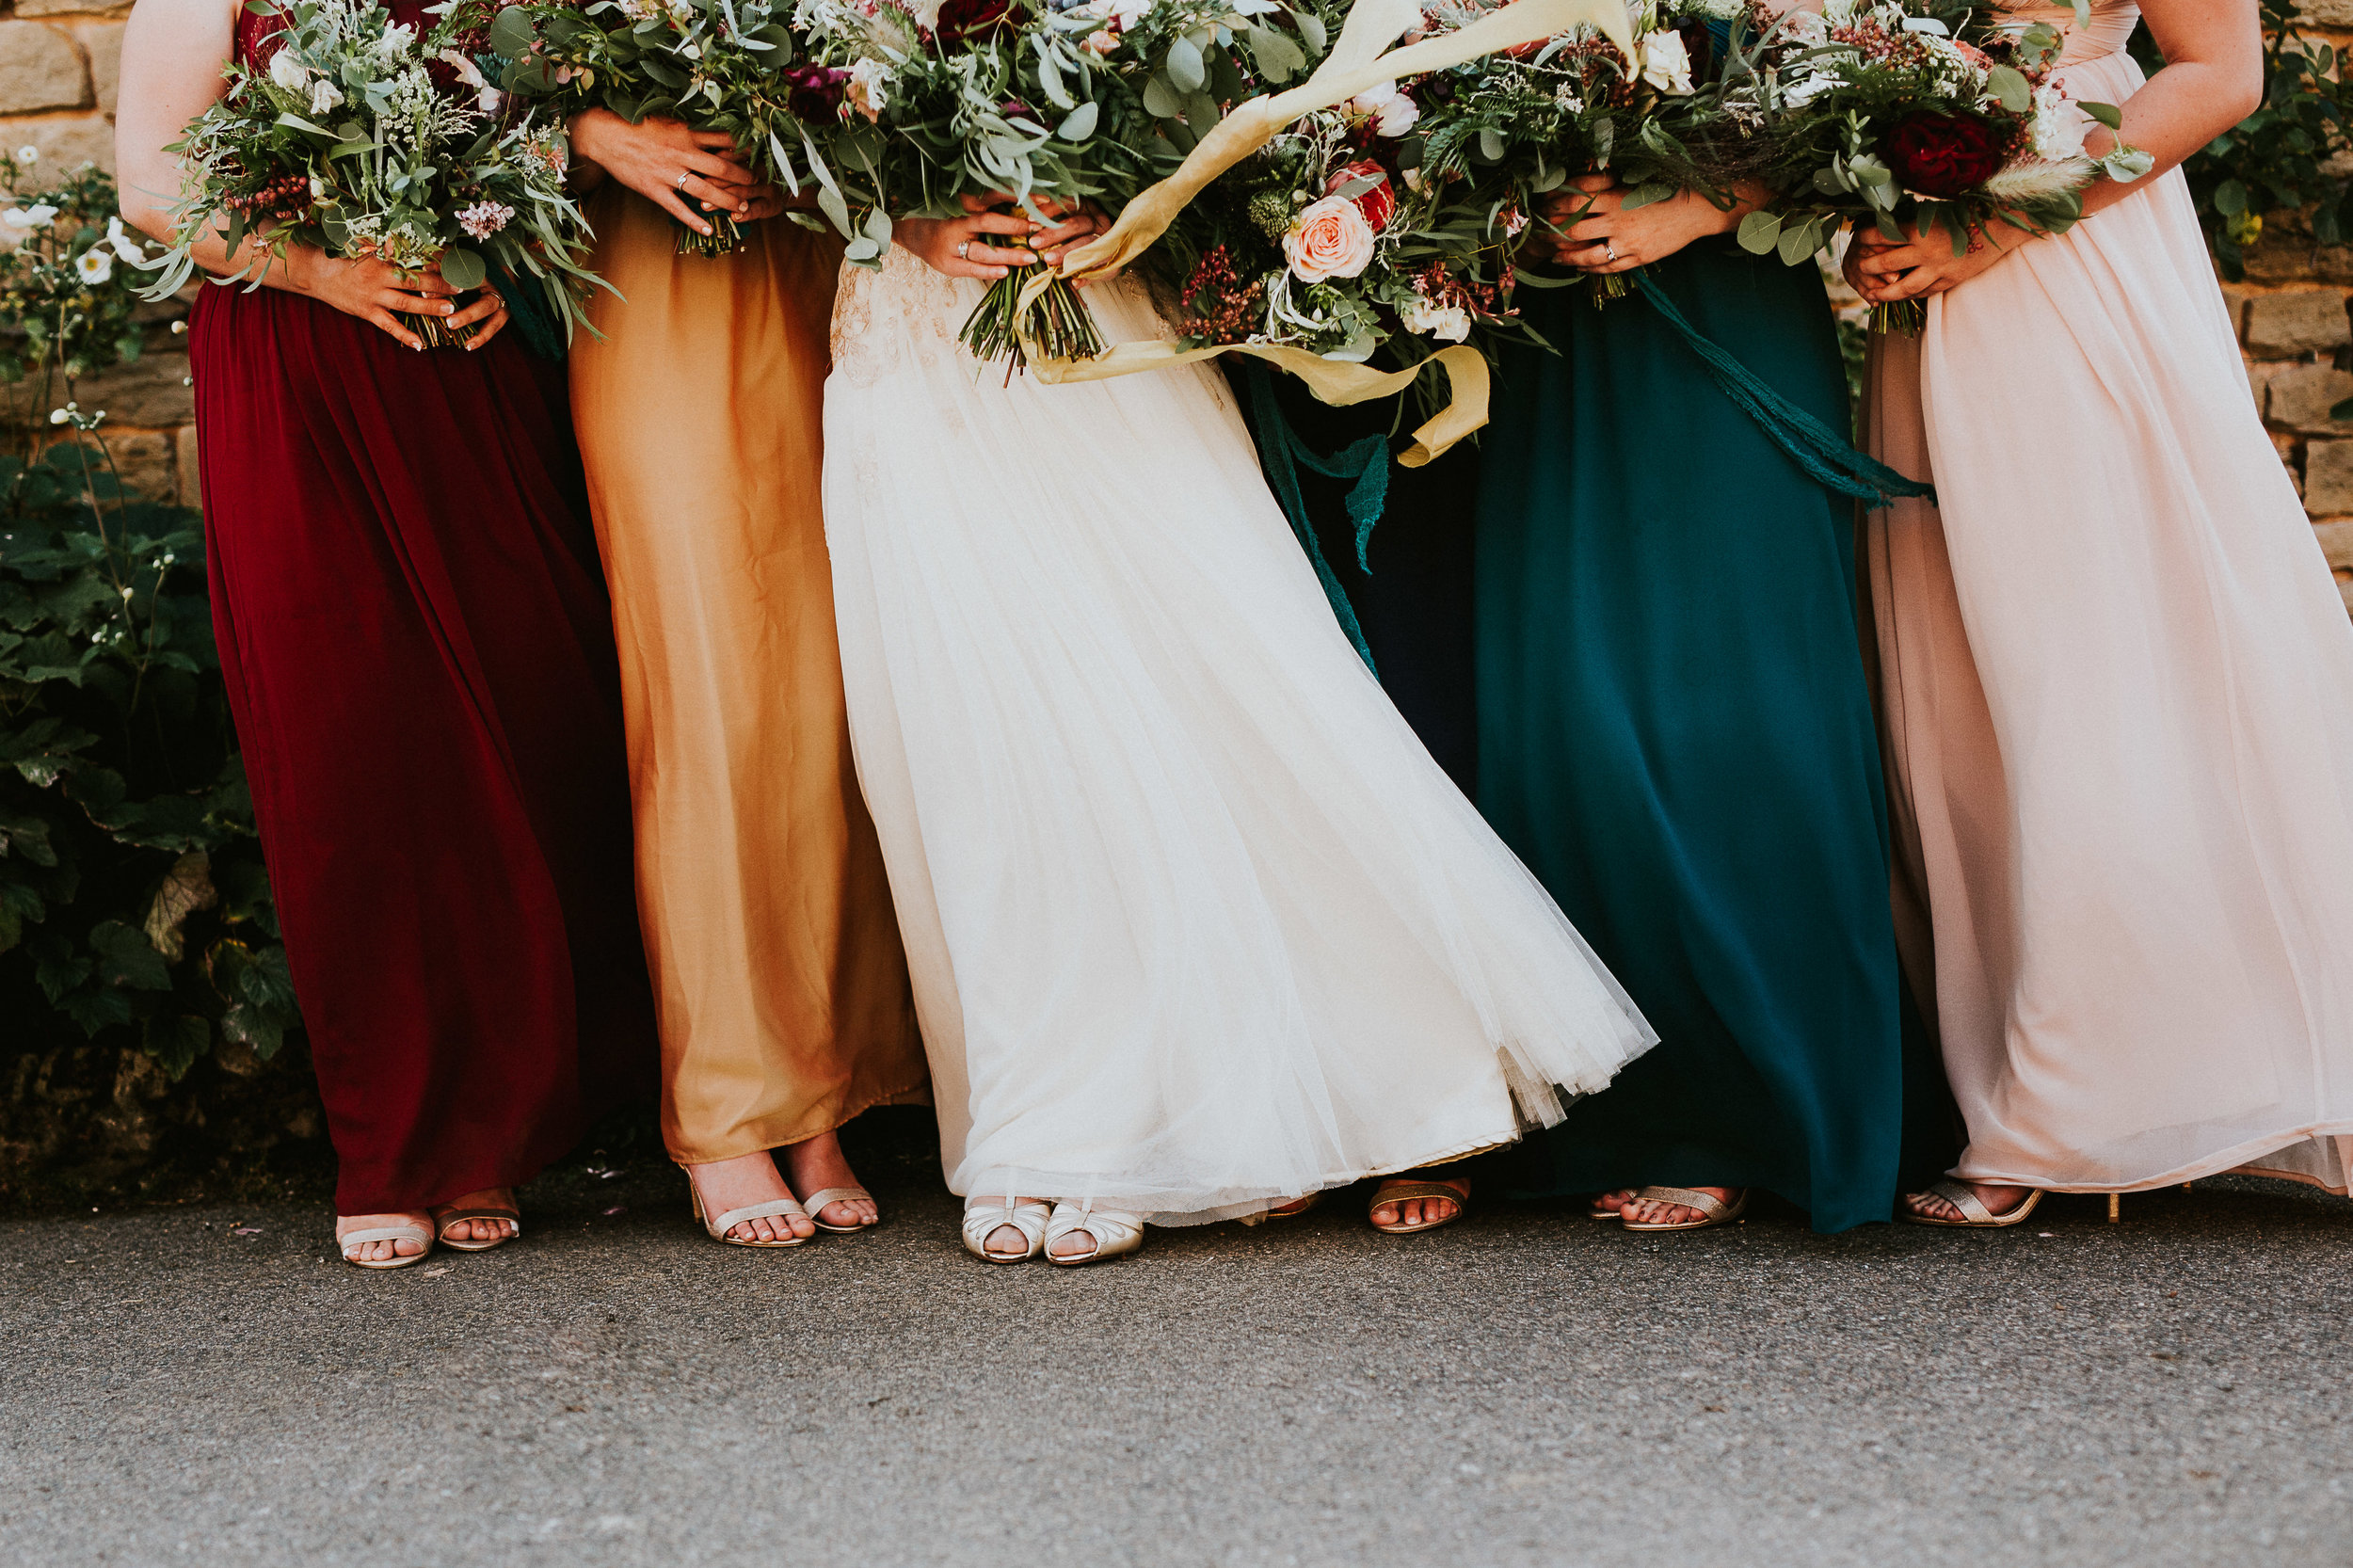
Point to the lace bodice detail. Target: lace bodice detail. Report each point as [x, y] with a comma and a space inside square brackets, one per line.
[882, 316]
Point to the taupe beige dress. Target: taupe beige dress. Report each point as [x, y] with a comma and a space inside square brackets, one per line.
[778, 976]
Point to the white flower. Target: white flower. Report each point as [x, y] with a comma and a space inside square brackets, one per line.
[397, 40]
[325, 95]
[59, 416]
[95, 264]
[288, 72]
[1129, 14]
[1800, 26]
[927, 14]
[1392, 112]
[1665, 63]
[124, 246]
[24, 219]
[2059, 127]
[1807, 88]
[485, 218]
[29, 154]
[865, 88]
[486, 97]
[1446, 323]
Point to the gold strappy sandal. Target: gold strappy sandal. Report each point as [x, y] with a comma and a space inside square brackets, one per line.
[1975, 1215]
[444, 1218]
[719, 1226]
[351, 1240]
[1401, 1191]
[819, 1201]
[1713, 1210]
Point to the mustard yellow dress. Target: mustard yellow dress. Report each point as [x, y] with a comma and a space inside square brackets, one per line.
[780, 981]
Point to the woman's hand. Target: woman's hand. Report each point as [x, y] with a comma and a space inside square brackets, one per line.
[1601, 234]
[380, 294]
[1883, 271]
[667, 161]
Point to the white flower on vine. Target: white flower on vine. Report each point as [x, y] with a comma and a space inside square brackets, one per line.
[288, 72]
[124, 246]
[29, 154]
[26, 219]
[95, 265]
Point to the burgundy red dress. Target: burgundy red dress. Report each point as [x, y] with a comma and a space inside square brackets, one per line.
[419, 656]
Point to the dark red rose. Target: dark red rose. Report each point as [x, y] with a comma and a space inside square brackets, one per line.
[960, 20]
[813, 92]
[1379, 203]
[1943, 155]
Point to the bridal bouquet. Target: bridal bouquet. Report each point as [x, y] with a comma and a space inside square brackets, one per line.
[1880, 114]
[1047, 101]
[1398, 219]
[718, 65]
[360, 137]
[1499, 133]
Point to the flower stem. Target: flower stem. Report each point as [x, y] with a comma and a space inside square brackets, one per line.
[725, 239]
[1060, 323]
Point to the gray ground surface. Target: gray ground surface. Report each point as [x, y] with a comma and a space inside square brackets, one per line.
[207, 1386]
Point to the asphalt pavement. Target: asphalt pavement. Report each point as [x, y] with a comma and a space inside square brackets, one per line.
[209, 1385]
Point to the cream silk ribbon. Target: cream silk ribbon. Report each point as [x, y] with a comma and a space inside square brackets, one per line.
[1360, 58]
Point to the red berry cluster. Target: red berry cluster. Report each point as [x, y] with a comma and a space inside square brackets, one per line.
[1232, 310]
[285, 197]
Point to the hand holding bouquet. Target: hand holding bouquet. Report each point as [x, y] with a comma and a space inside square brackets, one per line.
[1047, 103]
[1881, 116]
[717, 65]
[358, 137]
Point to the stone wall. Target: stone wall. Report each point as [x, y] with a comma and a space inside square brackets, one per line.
[57, 76]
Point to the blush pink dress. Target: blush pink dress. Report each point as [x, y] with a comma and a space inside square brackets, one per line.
[2118, 687]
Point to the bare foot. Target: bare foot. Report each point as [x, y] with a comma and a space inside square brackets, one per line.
[380, 1252]
[1614, 1201]
[1414, 1213]
[815, 1164]
[479, 1230]
[740, 1183]
[1997, 1200]
[1651, 1211]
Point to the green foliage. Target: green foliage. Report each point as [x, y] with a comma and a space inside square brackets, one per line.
[65, 300]
[133, 903]
[2275, 160]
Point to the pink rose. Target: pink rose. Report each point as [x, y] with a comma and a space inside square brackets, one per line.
[1329, 239]
[1100, 42]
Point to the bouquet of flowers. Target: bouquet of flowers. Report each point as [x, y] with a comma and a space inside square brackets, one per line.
[1499, 133]
[1397, 219]
[1067, 100]
[718, 65]
[360, 137]
[1881, 114]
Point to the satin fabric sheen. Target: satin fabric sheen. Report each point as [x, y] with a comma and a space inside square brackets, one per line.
[781, 985]
[418, 658]
[1675, 733]
[1195, 923]
[2119, 708]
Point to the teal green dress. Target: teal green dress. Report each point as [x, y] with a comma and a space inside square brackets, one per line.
[1675, 733]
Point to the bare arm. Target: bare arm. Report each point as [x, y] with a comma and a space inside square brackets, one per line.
[173, 52]
[2213, 79]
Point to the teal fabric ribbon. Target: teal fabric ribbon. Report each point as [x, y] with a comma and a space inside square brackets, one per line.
[528, 313]
[1828, 458]
[1282, 453]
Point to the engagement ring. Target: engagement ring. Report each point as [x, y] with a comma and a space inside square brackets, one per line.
[964, 251]
[683, 176]
[1609, 249]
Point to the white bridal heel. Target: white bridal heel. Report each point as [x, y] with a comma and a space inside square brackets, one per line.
[1115, 1231]
[983, 1218]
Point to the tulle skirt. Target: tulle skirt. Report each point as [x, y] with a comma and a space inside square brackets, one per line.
[1195, 923]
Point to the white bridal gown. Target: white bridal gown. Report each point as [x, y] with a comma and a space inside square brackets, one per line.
[1195, 923]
